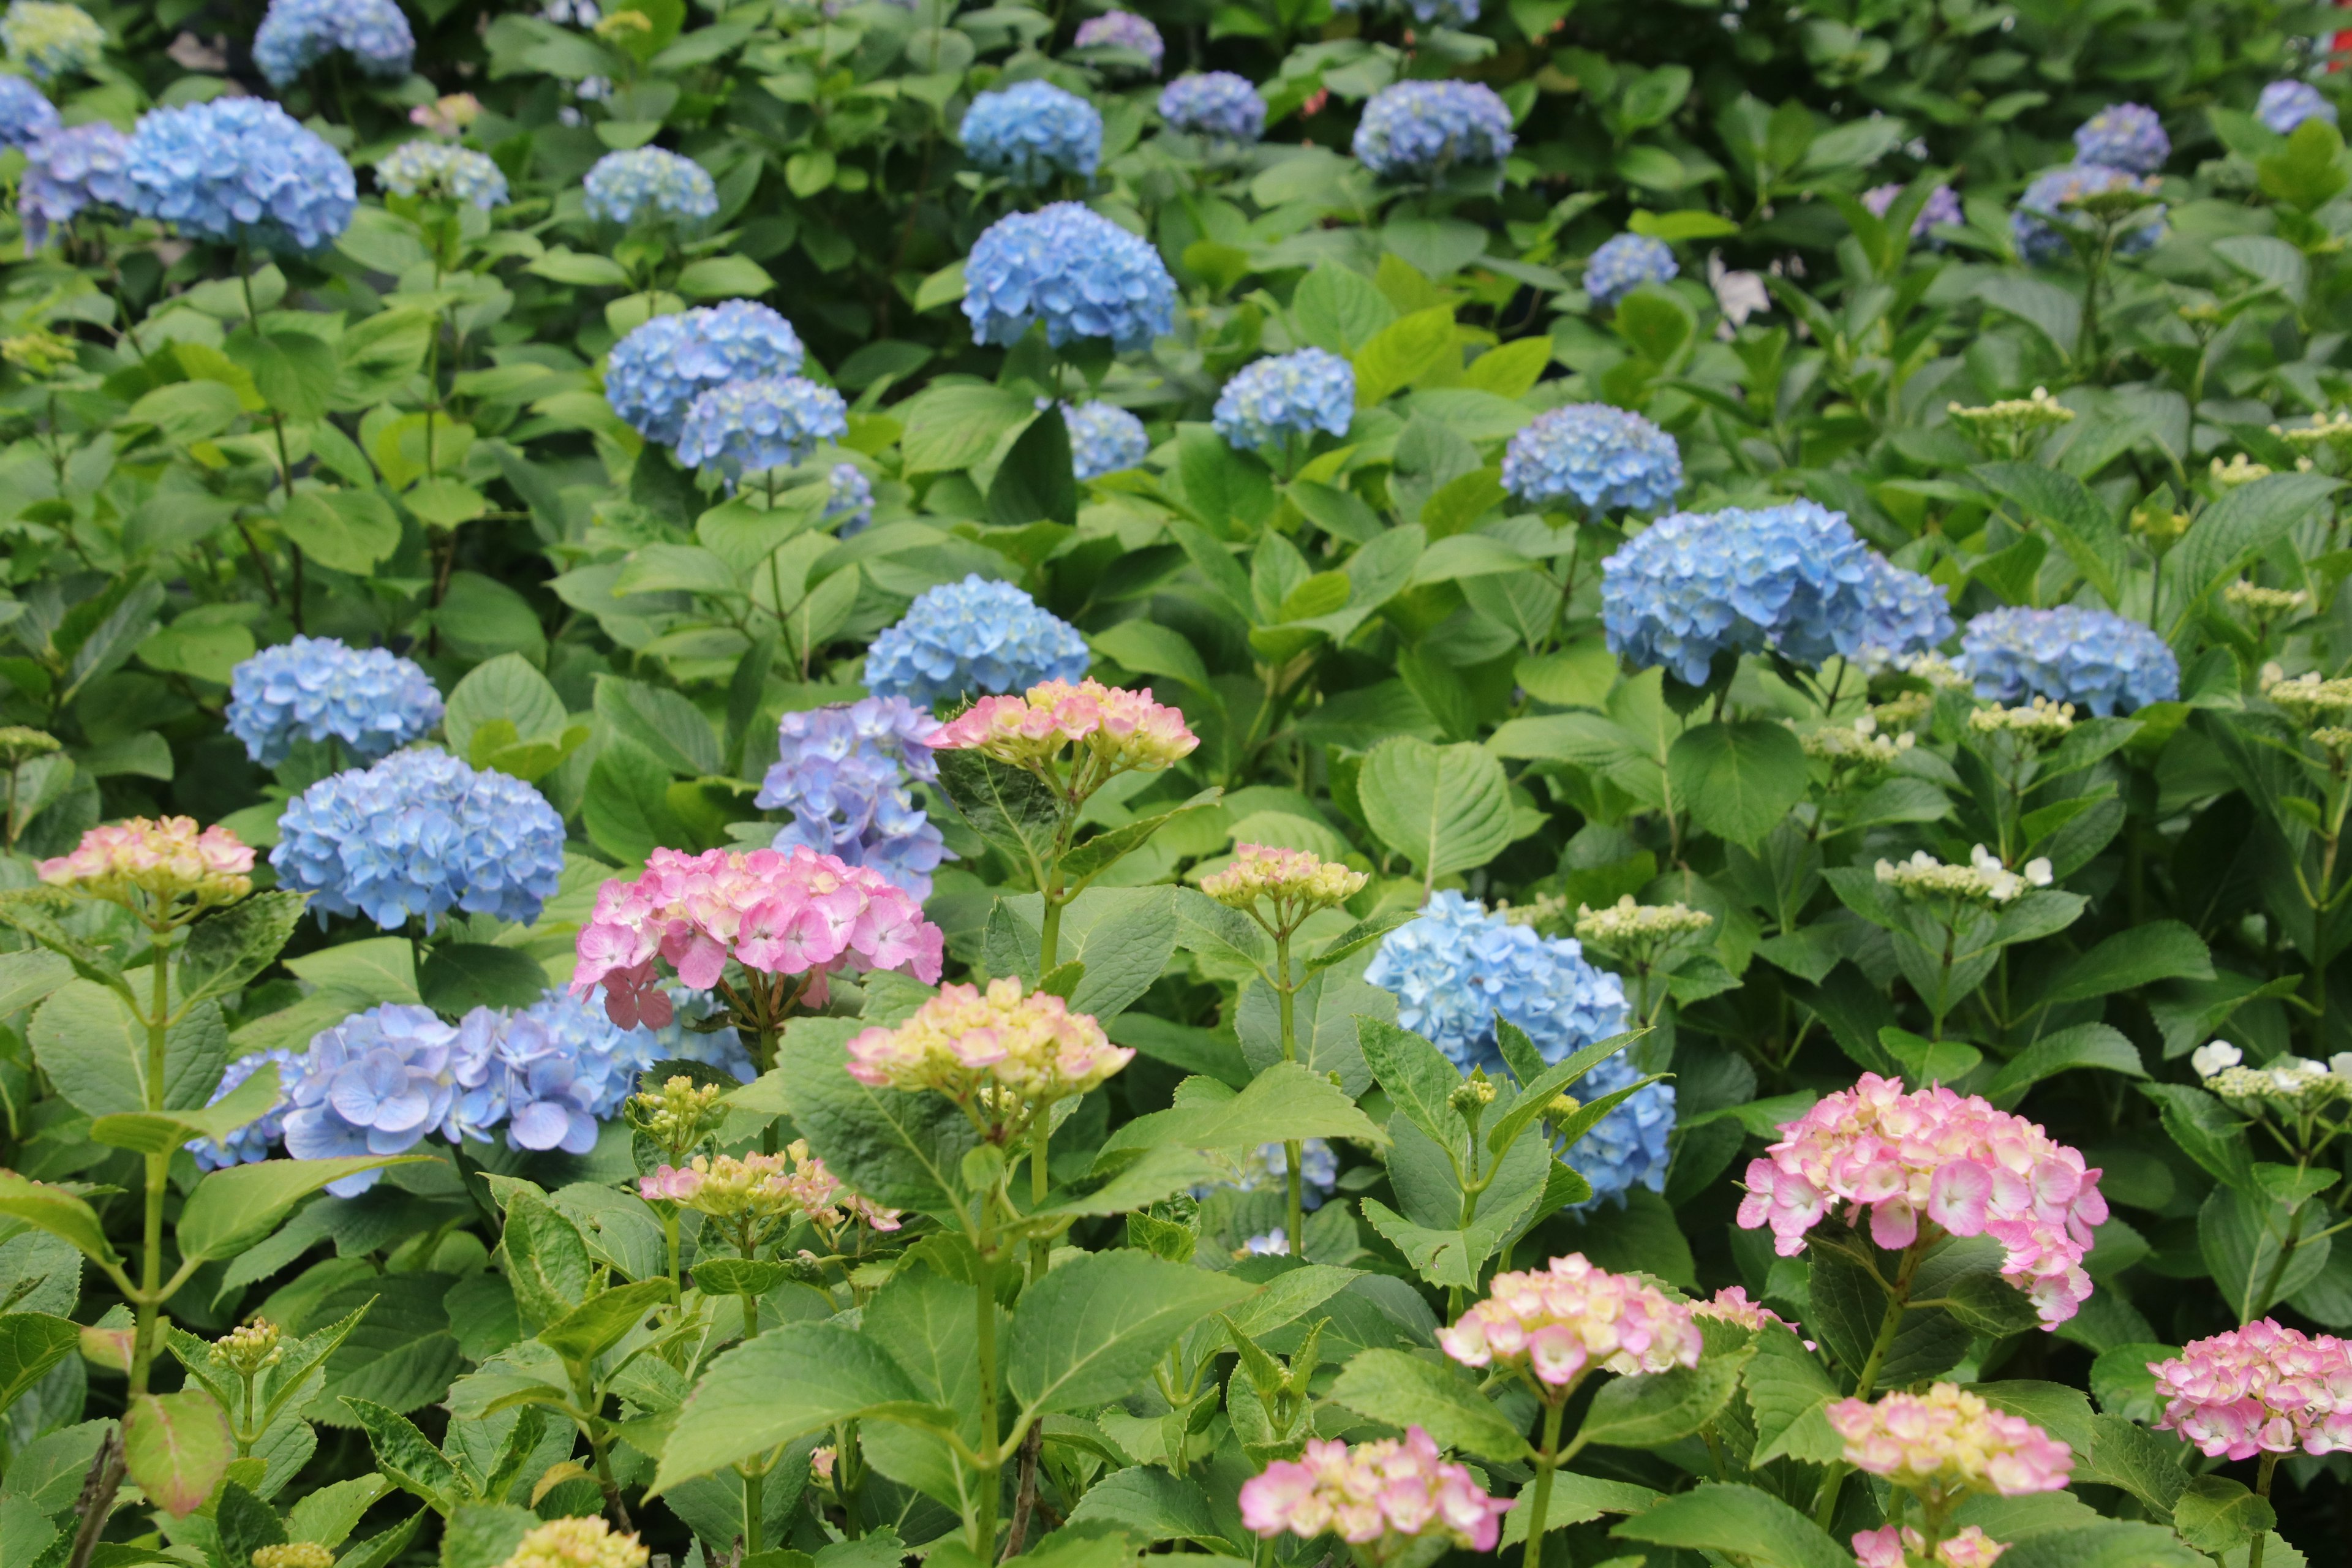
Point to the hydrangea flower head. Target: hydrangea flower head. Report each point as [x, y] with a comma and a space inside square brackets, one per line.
[370, 701]
[1606, 458]
[71, 168]
[976, 635]
[25, 114]
[664, 364]
[447, 115]
[779, 912]
[975, 1048]
[445, 170]
[2127, 136]
[1885, 1548]
[1289, 394]
[1940, 207]
[376, 1083]
[1457, 965]
[751, 426]
[1628, 1148]
[1124, 30]
[1731, 1305]
[239, 169]
[296, 34]
[417, 835]
[163, 860]
[843, 771]
[1217, 105]
[650, 183]
[2260, 1389]
[1949, 1159]
[2094, 660]
[1074, 270]
[848, 497]
[1115, 729]
[1948, 1442]
[249, 1144]
[1419, 130]
[51, 40]
[1104, 439]
[2042, 220]
[1900, 613]
[1375, 1496]
[1624, 264]
[583, 1543]
[1296, 881]
[1556, 1324]
[1033, 131]
[2284, 105]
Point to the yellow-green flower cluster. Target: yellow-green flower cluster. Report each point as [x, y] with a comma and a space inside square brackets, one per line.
[1296, 881]
[165, 860]
[293, 1554]
[1626, 923]
[2308, 699]
[1001, 1052]
[1858, 745]
[587, 1543]
[2265, 602]
[679, 1114]
[2239, 470]
[20, 745]
[2013, 415]
[2040, 722]
[248, 1348]
[2333, 428]
[1983, 880]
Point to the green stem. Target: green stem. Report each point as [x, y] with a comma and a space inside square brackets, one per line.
[750, 1316]
[2262, 1491]
[1547, 1461]
[1041, 1247]
[670, 1242]
[159, 1171]
[983, 1524]
[1294, 1151]
[754, 1485]
[1897, 1301]
[848, 1478]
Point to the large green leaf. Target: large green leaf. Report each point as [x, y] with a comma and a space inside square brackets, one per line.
[1123, 936]
[225, 951]
[177, 1446]
[1751, 1526]
[903, 1150]
[232, 1209]
[1011, 808]
[1091, 1329]
[94, 1049]
[31, 1344]
[1284, 1101]
[1658, 1407]
[1405, 1390]
[1445, 808]
[791, 1381]
[1739, 780]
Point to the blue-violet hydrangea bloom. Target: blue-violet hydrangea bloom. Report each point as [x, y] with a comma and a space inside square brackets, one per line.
[1940, 207]
[240, 169]
[2127, 136]
[1104, 439]
[297, 33]
[1625, 262]
[1418, 130]
[441, 169]
[1607, 458]
[751, 426]
[1289, 394]
[651, 184]
[842, 773]
[69, 170]
[1456, 965]
[51, 40]
[418, 834]
[2094, 659]
[2041, 219]
[1124, 30]
[25, 114]
[1628, 1148]
[552, 1070]
[1900, 612]
[1031, 131]
[1218, 105]
[371, 700]
[664, 364]
[976, 637]
[1074, 270]
[2287, 104]
[849, 496]
[376, 1083]
[249, 1144]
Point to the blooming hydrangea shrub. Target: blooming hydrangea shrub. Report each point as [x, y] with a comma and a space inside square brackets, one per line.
[441, 169]
[26, 114]
[2260, 1389]
[1115, 729]
[1033, 131]
[241, 170]
[2127, 136]
[2094, 660]
[1104, 439]
[1623, 263]
[69, 170]
[976, 635]
[1289, 394]
[1124, 30]
[1375, 1494]
[1607, 458]
[2284, 105]
[848, 499]
[1556, 1324]
[377, 1083]
[1458, 965]
[296, 34]
[1948, 1442]
[1629, 1147]
[842, 773]
[154, 862]
[51, 40]
[657, 372]
[1940, 207]
[1218, 105]
[1420, 129]
[249, 1144]
[652, 185]
[2039, 225]
[1072, 270]
[367, 700]
[751, 427]
[971, 1046]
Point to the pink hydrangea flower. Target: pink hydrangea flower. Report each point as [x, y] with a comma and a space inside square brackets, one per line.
[1948, 1442]
[165, 860]
[1375, 1496]
[1118, 729]
[1731, 1305]
[777, 911]
[1885, 1548]
[2260, 1389]
[975, 1048]
[1558, 1323]
[1949, 1158]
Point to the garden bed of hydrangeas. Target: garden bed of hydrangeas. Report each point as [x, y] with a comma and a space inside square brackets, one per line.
[806, 785]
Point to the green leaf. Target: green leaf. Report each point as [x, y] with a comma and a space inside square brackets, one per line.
[1401, 1389]
[58, 1212]
[1751, 1525]
[1418, 1078]
[1124, 937]
[294, 371]
[461, 976]
[1338, 310]
[1093, 1327]
[547, 1261]
[1097, 854]
[177, 1446]
[1284, 1101]
[328, 1516]
[2206, 1132]
[1402, 352]
[27, 978]
[1034, 483]
[484, 1534]
[406, 1455]
[1740, 778]
[724, 278]
[2151, 952]
[1008, 806]
[1148, 1504]
[1360, 936]
[2083, 1045]
[225, 950]
[1451, 1257]
[788, 1382]
[161, 1132]
[246, 1524]
[669, 727]
[94, 1049]
[903, 1150]
[1540, 1091]
[582, 271]
[594, 1327]
[349, 531]
[2215, 1513]
[1445, 808]
[2110, 1543]
[1651, 1409]
[1784, 1382]
[31, 1344]
[2242, 524]
[232, 1209]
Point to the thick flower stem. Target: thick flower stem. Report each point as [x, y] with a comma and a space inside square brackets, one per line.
[159, 1171]
[752, 1505]
[1898, 1300]
[1540, 1499]
[2262, 1490]
[983, 1523]
[1294, 1151]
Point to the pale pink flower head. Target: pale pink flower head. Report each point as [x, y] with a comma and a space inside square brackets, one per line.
[1886, 1547]
[2263, 1388]
[1906, 1162]
[449, 115]
[1001, 1054]
[1296, 881]
[1375, 1496]
[1948, 1442]
[671, 1183]
[1731, 1305]
[1556, 1324]
[1115, 729]
[165, 860]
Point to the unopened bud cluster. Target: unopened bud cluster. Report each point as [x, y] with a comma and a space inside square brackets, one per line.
[2333, 428]
[679, 1114]
[2013, 415]
[2040, 721]
[20, 745]
[2265, 602]
[293, 1554]
[1858, 745]
[248, 1348]
[587, 1543]
[1628, 924]
[2307, 698]
[165, 860]
[1984, 880]
[2295, 1083]
[2239, 470]
[1297, 882]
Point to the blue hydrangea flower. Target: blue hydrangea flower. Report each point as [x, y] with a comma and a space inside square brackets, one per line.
[2041, 219]
[751, 426]
[51, 40]
[1104, 439]
[417, 835]
[1031, 131]
[444, 170]
[1218, 105]
[616, 1059]
[1456, 966]
[1605, 457]
[1628, 1147]
[549, 1072]
[842, 773]
[370, 700]
[1792, 577]
[976, 637]
[1124, 30]
[376, 1083]
[1290, 394]
[2093, 658]
[1419, 130]
[849, 496]
[651, 183]
[240, 169]
[1940, 207]
[2287, 104]
[249, 1144]
[25, 114]
[2127, 136]
[71, 168]
[1074, 270]
[297, 33]
[664, 364]
[1624, 264]
[1443, 13]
